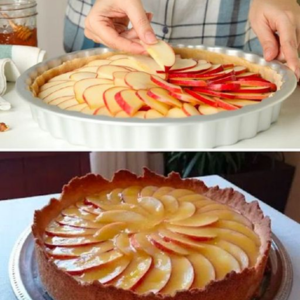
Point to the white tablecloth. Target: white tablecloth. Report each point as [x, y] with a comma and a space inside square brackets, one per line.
[16, 215]
[25, 133]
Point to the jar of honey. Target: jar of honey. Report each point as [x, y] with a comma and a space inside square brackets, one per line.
[18, 22]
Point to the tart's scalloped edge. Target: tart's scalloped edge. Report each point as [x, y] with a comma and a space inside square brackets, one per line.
[236, 286]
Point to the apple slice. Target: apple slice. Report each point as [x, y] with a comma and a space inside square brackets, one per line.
[51, 84]
[204, 271]
[146, 64]
[59, 100]
[216, 68]
[106, 273]
[183, 64]
[97, 63]
[70, 241]
[140, 114]
[82, 75]
[158, 276]
[225, 105]
[129, 101]
[103, 111]
[190, 110]
[255, 89]
[73, 211]
[139, 80]
[84, 69]
[119, 78]
[69, 103]
[166, 85]
[188, 82]
[204, 99]
[250, 96]
[126, 63]
[122, 114]
[110, 101]
[77, 222]
[109, 231]
[185, 210]
[153, 206]
[161, 191]
[222, 87]
[61, 92]
[131, 194]
[148, 191]
[162, 53]
[240, 103]
[170, 203]
[77, 107]
[120, 216]
[209, 92]
[123, 244]
[108, 71]
[196, 220]
[231, 78]
[117, 56]
[182, 276]
[249, 76]
[81, 85]
[239, 70]
[53, 88]
[163, 95]
[154, 104]
[134, 273]
[64, 76]
[200, 67]
[153, 114]
[94, 95]
[54, 229]
[176, 112]
[86, 263]
[183, 96]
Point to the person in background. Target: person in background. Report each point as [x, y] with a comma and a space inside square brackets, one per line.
[269, 27]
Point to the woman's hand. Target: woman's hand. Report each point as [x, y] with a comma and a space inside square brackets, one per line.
[277, 25]
[108, 20]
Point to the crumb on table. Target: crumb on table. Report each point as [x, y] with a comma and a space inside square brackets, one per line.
[3, 127]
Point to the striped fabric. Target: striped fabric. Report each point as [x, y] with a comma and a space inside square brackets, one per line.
[190, 22]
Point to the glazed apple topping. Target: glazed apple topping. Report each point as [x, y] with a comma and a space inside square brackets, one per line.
[151, 239]
[160, 85]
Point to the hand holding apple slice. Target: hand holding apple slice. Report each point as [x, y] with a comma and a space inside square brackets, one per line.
[162, 53]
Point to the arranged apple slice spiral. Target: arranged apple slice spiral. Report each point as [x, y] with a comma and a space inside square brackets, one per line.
[162, 85]
[151, 239]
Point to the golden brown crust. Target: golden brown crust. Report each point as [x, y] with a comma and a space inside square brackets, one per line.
[236, 286]
[213, 57]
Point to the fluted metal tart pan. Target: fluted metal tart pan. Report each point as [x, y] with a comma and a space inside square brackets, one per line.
[197, 132]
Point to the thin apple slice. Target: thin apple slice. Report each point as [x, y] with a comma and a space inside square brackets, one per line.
[188, 82]
[170, 203]
[53, 88]
[86, 263]
[196, 220]
[69, 252]
[59, 100]
[158, 276]
[108, 71]
[153, 114]
[109, 231]
[140, 114]
[73, 211]
[123, 244]
[107, 273]
[117, 56]
[224, 87]
[51, 84]
[120, 216]
[89, 111]
[190, 110]
[139, 80]
[82, 75]
[240, 103]
[146, 64]
[70, 241]
[161, 191]
[64, 76]
[125, 62]
[62, 92]
[163, 95]
[162, 53]
[200, 67]
[239, 70]
[78, 107]
[208, 92]
[153, 206]
[81, 85]
[182, 276]
[97, 63]
[119, 78]
[203, 98]
[134, 273]
[176, 112]
[129, 101]
[131, 194]
[77, 222]
[110, 101]
[193, 198]
[204, 271]
[67, 104]
[54, 229]
[183, 96]
[148, 191]
[209, 110]
[255, 89]
[167, 247]
[183, 64]
[185, 210]
[88, 69]
[166, 85]
[87, 207]
[251, 96]
[122, 114]
[225, 105]
[103, 111]
[154, 104]
[94, 95]
[256, 83]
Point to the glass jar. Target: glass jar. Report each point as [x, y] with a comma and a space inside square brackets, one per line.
[18, 22]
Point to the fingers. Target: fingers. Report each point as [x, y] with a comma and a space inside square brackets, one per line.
[289, 44]
[140, 22]
[268, 41]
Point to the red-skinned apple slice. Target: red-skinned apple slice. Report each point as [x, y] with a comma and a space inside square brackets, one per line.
[255, 89]
[228, 66]
[154, 104]
[81, 85]
[224, 87]
[82, 75]
[166, 85]
[200, 67]
[256, 83]
[223, 104]
[204, 99]
[129, 101]
[240, 103]
[139, 80]
[163, 95]
[189, 110]
[110, 101]
[153, 114]
[228, 78]
[206, 91]
[188, 82]
[239, 70]
[93, 95]
[108, 71]
[53, 88]
[209, 110]
[182, 64]
[250, 96]
[183, 96]
[90, 262]
[162, 53]
[214, 69]
[249, 76]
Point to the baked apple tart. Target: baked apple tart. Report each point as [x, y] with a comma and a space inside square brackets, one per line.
[172, 83]
[150, 237]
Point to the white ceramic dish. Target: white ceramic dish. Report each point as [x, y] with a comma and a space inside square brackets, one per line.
[198, 132]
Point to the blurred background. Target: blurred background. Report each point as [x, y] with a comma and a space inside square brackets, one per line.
[271, 177]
